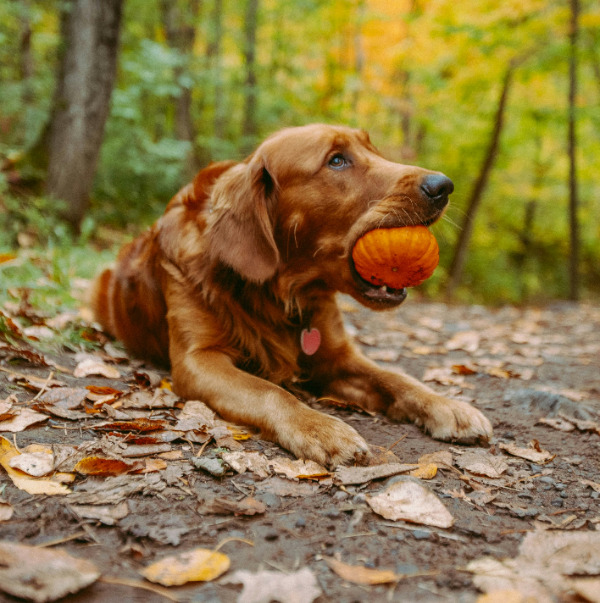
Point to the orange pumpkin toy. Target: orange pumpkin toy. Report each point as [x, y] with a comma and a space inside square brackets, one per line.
[396, 257]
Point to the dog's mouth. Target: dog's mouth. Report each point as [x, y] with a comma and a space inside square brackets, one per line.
[383, 296]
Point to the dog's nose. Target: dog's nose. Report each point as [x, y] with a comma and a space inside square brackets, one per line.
[437, 187]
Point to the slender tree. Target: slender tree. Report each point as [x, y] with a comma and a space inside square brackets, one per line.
[572, 146]
[90, 31]
[460, 251]
[180, 20]
[250, 124]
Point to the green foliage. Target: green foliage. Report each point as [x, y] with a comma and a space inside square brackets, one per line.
[422, 77]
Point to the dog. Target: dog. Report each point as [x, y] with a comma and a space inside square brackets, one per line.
[235, 288]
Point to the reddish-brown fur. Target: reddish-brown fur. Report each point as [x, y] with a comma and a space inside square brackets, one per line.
[252, 253]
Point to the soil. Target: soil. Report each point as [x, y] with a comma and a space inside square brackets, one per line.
[516, 365]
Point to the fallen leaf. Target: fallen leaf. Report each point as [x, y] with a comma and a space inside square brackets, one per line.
[41, 574]
[23, 418]
[94, 366]
[6, 510]
[285, 487]
[198, 565]
[441, 458]
[359, 574]
[142, 425]
[409, 500]
[159, 398]
[29, 484]
[361, 475]
[106, 514]
[467, 341]
[534, 454]
[95, 465]
[546, 566]
[36, 464]
[427, 471]
[294, 469]
[587, 588]
[559, 424]
[266, 586]
[248, 461]
[593, 485]
[482, 462]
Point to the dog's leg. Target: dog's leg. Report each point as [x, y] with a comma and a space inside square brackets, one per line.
[341, 371]
[240, 397]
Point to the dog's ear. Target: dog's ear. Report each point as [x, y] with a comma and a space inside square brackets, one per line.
[240, 228]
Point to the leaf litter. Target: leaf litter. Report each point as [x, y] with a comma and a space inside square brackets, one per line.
[128, 454]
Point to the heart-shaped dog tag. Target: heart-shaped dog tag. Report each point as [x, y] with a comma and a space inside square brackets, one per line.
[310, 340]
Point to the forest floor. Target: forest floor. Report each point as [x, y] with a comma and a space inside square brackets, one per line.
[143, 477]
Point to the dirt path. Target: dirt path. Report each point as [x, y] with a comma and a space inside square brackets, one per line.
[517, 365]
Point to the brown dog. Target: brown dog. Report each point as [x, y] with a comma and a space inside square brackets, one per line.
[235, 286]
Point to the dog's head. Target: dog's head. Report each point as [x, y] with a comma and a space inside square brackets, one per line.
[295, 208]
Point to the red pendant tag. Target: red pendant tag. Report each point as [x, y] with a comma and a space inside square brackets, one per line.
[310, 340]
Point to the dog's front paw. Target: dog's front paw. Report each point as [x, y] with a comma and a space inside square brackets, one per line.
[324, 439]
[456, 421]
[448, 420]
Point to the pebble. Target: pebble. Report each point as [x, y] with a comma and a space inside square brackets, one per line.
[333, 513]
[300, 522]
[422, 534]
[340, 495]
[557, 502]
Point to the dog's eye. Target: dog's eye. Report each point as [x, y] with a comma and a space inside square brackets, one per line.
[338, 162]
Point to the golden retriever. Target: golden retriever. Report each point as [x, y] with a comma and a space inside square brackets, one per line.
[235, 287]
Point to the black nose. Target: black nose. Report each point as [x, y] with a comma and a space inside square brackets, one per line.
[437, 187]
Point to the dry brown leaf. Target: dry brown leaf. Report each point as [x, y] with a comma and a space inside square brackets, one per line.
[294, 469]
[441, 458]
[267, 586]
[242, 461]
[361, 475]
[359, 574]
[106, 514]
[41, 574]
[23, 418]
[409, 500]
[546, 566]
[95, 366]
[103, 467]
[36, 464]
[29, 484]
[560, 424]
[142, 425]
[467, 341]
[534, 454]
[159, 398]
[198, 565]
[482, 462]
[6, 510]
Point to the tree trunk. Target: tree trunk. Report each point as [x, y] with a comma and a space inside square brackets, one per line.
[180, 21]
[215, 57]
[460, 251]
[81, 102]
[249, 125]
[572, 145]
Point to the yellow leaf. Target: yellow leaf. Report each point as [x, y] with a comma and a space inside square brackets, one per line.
[165, 384]
[29, 484]
[427, 471]
[198, 565]
[361, 575]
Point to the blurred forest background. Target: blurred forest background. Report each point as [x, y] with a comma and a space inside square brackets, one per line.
[109, 106]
